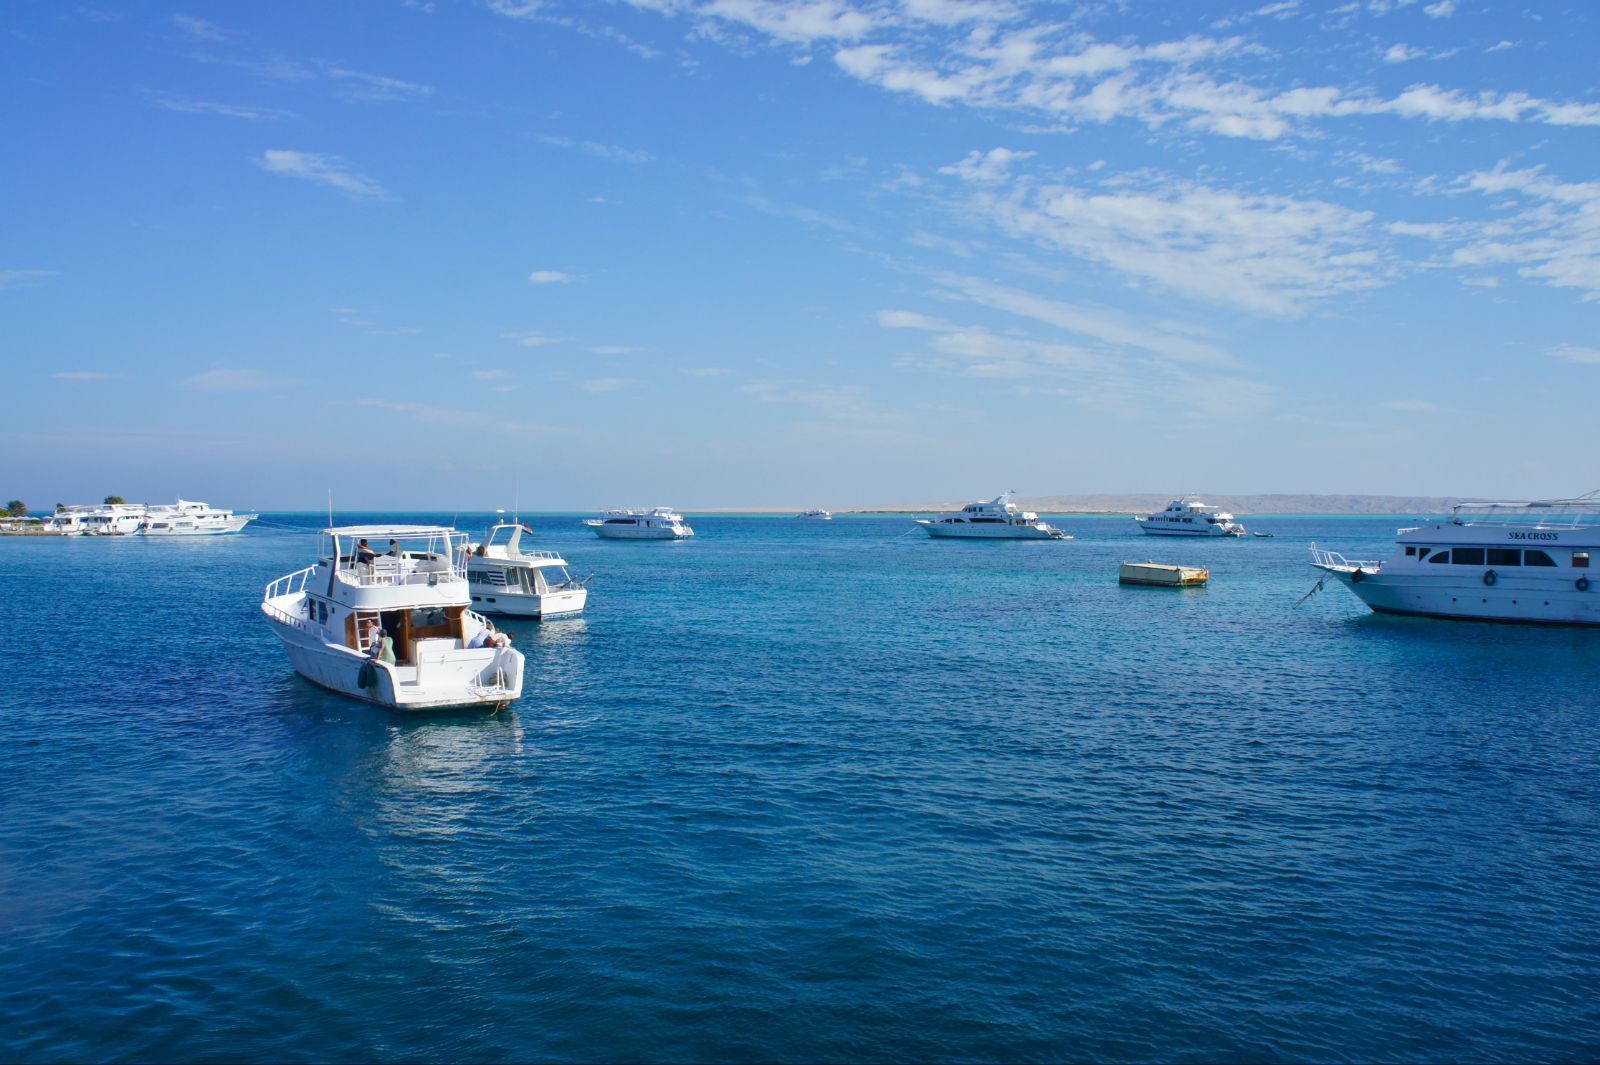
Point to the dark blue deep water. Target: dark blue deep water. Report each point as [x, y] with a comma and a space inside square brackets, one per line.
[803, 791]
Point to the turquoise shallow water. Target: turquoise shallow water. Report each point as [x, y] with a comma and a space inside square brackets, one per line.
[800, 791]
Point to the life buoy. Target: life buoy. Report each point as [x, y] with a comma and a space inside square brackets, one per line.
[1582, 584]
[1489, 577]
[1356, 575]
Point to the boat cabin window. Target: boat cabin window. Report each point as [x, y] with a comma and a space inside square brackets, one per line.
[1505, 556]
[1467, 556]
[1580, 559]
[1537, 558]
[1411, 552]
[1440, 556]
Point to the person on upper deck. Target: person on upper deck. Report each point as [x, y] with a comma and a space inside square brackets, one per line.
[394, 549]
[365, 553]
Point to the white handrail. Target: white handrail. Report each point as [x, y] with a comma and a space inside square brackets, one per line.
[1321, 556]
[289, 583]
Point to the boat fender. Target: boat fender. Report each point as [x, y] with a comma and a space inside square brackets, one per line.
[1356, 575]
[1582, 584]
[1489, 577]
[365, 679]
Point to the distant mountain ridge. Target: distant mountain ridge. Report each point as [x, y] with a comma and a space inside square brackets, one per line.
[1147, 502]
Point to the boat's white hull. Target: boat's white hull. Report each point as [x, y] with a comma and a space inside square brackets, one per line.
[1209, 531]
[953, 531]
[1550, 600]
[522, 605]
[232, 525]
[458, 679]
[629, 532]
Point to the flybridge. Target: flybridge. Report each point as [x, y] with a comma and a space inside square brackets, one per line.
[1583, 512]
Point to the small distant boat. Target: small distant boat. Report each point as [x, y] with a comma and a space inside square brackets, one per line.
[1190, 517]
[1262, 535]
[412, 602]
[1162, 575]
[815, 515]
[505, 579]
[997, 519]
[659, 523]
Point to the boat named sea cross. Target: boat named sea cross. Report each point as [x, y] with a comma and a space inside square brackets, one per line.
[1190, 517]
[411, 585]
[626, 523]
[505, 579]
[997, 519]
[1490, 561]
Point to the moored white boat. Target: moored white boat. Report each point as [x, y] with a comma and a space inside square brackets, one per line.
[996, 519]
[627, 523]
[505, 579]
[97, 519]
[444, 654]
[1492, 561]
[1190, 517]
[189, 518]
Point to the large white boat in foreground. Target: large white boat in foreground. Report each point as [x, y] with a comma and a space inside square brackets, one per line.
[505, 579]
[1190, 517]
[1505, 561]
[625, 523]
[188, 518]
[445, 656]
[997, 519]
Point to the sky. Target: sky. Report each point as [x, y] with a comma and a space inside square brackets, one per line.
[435, 255]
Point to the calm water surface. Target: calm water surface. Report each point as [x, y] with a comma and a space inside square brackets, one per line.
[803, 791]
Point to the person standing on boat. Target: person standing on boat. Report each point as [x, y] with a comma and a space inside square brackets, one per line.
[385, 647]
[394, 549]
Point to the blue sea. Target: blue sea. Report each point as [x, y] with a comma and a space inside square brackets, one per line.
[802, 791]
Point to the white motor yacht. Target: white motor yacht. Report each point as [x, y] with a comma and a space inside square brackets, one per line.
[188, 518]
[1492, 561]
[445, 656]
[997, 519]
[660, 523]
[815, 515]
[97, 519]
[505, 579]
[1190, 517]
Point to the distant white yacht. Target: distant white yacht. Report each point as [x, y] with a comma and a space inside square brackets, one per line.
[815, 515]
[1492, 561]
[188, 518]
[505, 579]
[97, 519]
[660, 523]
[391, 625]
[1190, 517]
[997, 519]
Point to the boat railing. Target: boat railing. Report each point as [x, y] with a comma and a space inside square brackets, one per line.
[290, 583]
[1580, 513]
[395, 573]
[1321, 556]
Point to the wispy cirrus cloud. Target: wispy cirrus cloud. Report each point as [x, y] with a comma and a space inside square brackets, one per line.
[1265, 253]
[610, 384]
[85, 375]
[232, 379]
[456, 417]
[1575, 353]
[199, 29]
[531, 338]
[24, 278]
[609, 152]
[326, 170]
[549, 277]
[374, 88]
[211, 107]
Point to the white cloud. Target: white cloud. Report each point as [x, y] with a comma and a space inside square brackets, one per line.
[200, 29]
[530, 339]
[795, 21]
[548, 277]
[986, 168]
[1269, 254]
[608, 152]
[208, 107]
[1551, 232]
[85, 375]
[1400, 53]
[23, 278]
[1575, 353]
[474, 420]
[1441, 9]
[846, 404]
[374, 88]
[1502, 46]
[610, 384]
[233, 380]
[322, 169]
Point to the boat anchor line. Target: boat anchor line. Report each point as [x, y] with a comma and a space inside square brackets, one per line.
[1315, 588]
